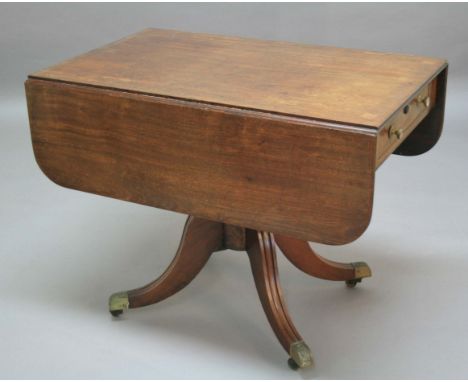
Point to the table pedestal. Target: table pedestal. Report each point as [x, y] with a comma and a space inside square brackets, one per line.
[203, 237]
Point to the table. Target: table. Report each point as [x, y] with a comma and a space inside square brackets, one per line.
[261, 143]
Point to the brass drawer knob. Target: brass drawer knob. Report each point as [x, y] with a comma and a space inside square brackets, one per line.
[393, 131]
[425, 100]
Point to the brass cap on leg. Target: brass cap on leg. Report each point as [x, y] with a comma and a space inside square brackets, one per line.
[118, 302]
[301, 355]
[361, 270]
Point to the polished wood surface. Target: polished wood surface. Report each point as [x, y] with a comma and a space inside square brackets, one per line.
[203, 237]
[199, 240]
[257, 140]
[246, 168]
[304, 258]
[262, 256]
[348, 86]
[272, 136]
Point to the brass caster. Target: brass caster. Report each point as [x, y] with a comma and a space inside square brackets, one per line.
[116, 313]
[118, 302]
[361, 270]
[300, 356]
[292, 364]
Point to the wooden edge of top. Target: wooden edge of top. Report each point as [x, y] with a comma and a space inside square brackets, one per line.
[223, 107]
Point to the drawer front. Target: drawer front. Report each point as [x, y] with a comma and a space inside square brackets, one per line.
[395, 131]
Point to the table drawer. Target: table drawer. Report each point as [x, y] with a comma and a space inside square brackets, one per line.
[404, 121]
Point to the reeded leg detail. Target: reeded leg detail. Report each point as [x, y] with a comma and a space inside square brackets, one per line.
[203, 237]
[262, 255]
[303, 257]
[199, 240]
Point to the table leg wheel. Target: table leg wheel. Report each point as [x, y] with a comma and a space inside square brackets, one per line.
[361, 270]
[118, 302]
[116, 313]
[292, 364]
[352, 283]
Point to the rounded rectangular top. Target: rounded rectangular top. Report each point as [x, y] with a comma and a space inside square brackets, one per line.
[351, 87]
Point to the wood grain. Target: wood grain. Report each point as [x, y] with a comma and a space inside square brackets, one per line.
[299, 253]
[342, 85]
[272, 136]
[199, 240]
[262, 256]
[256, 170]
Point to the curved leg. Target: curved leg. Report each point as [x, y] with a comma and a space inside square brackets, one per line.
[303, 257]
[199, 240]
[262, 255]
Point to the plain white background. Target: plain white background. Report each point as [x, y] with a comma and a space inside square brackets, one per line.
[62, 252]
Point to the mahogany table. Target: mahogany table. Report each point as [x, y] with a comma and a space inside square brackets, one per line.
[262, 143]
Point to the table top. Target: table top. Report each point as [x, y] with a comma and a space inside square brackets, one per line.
[272, 136]
[347, 86]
